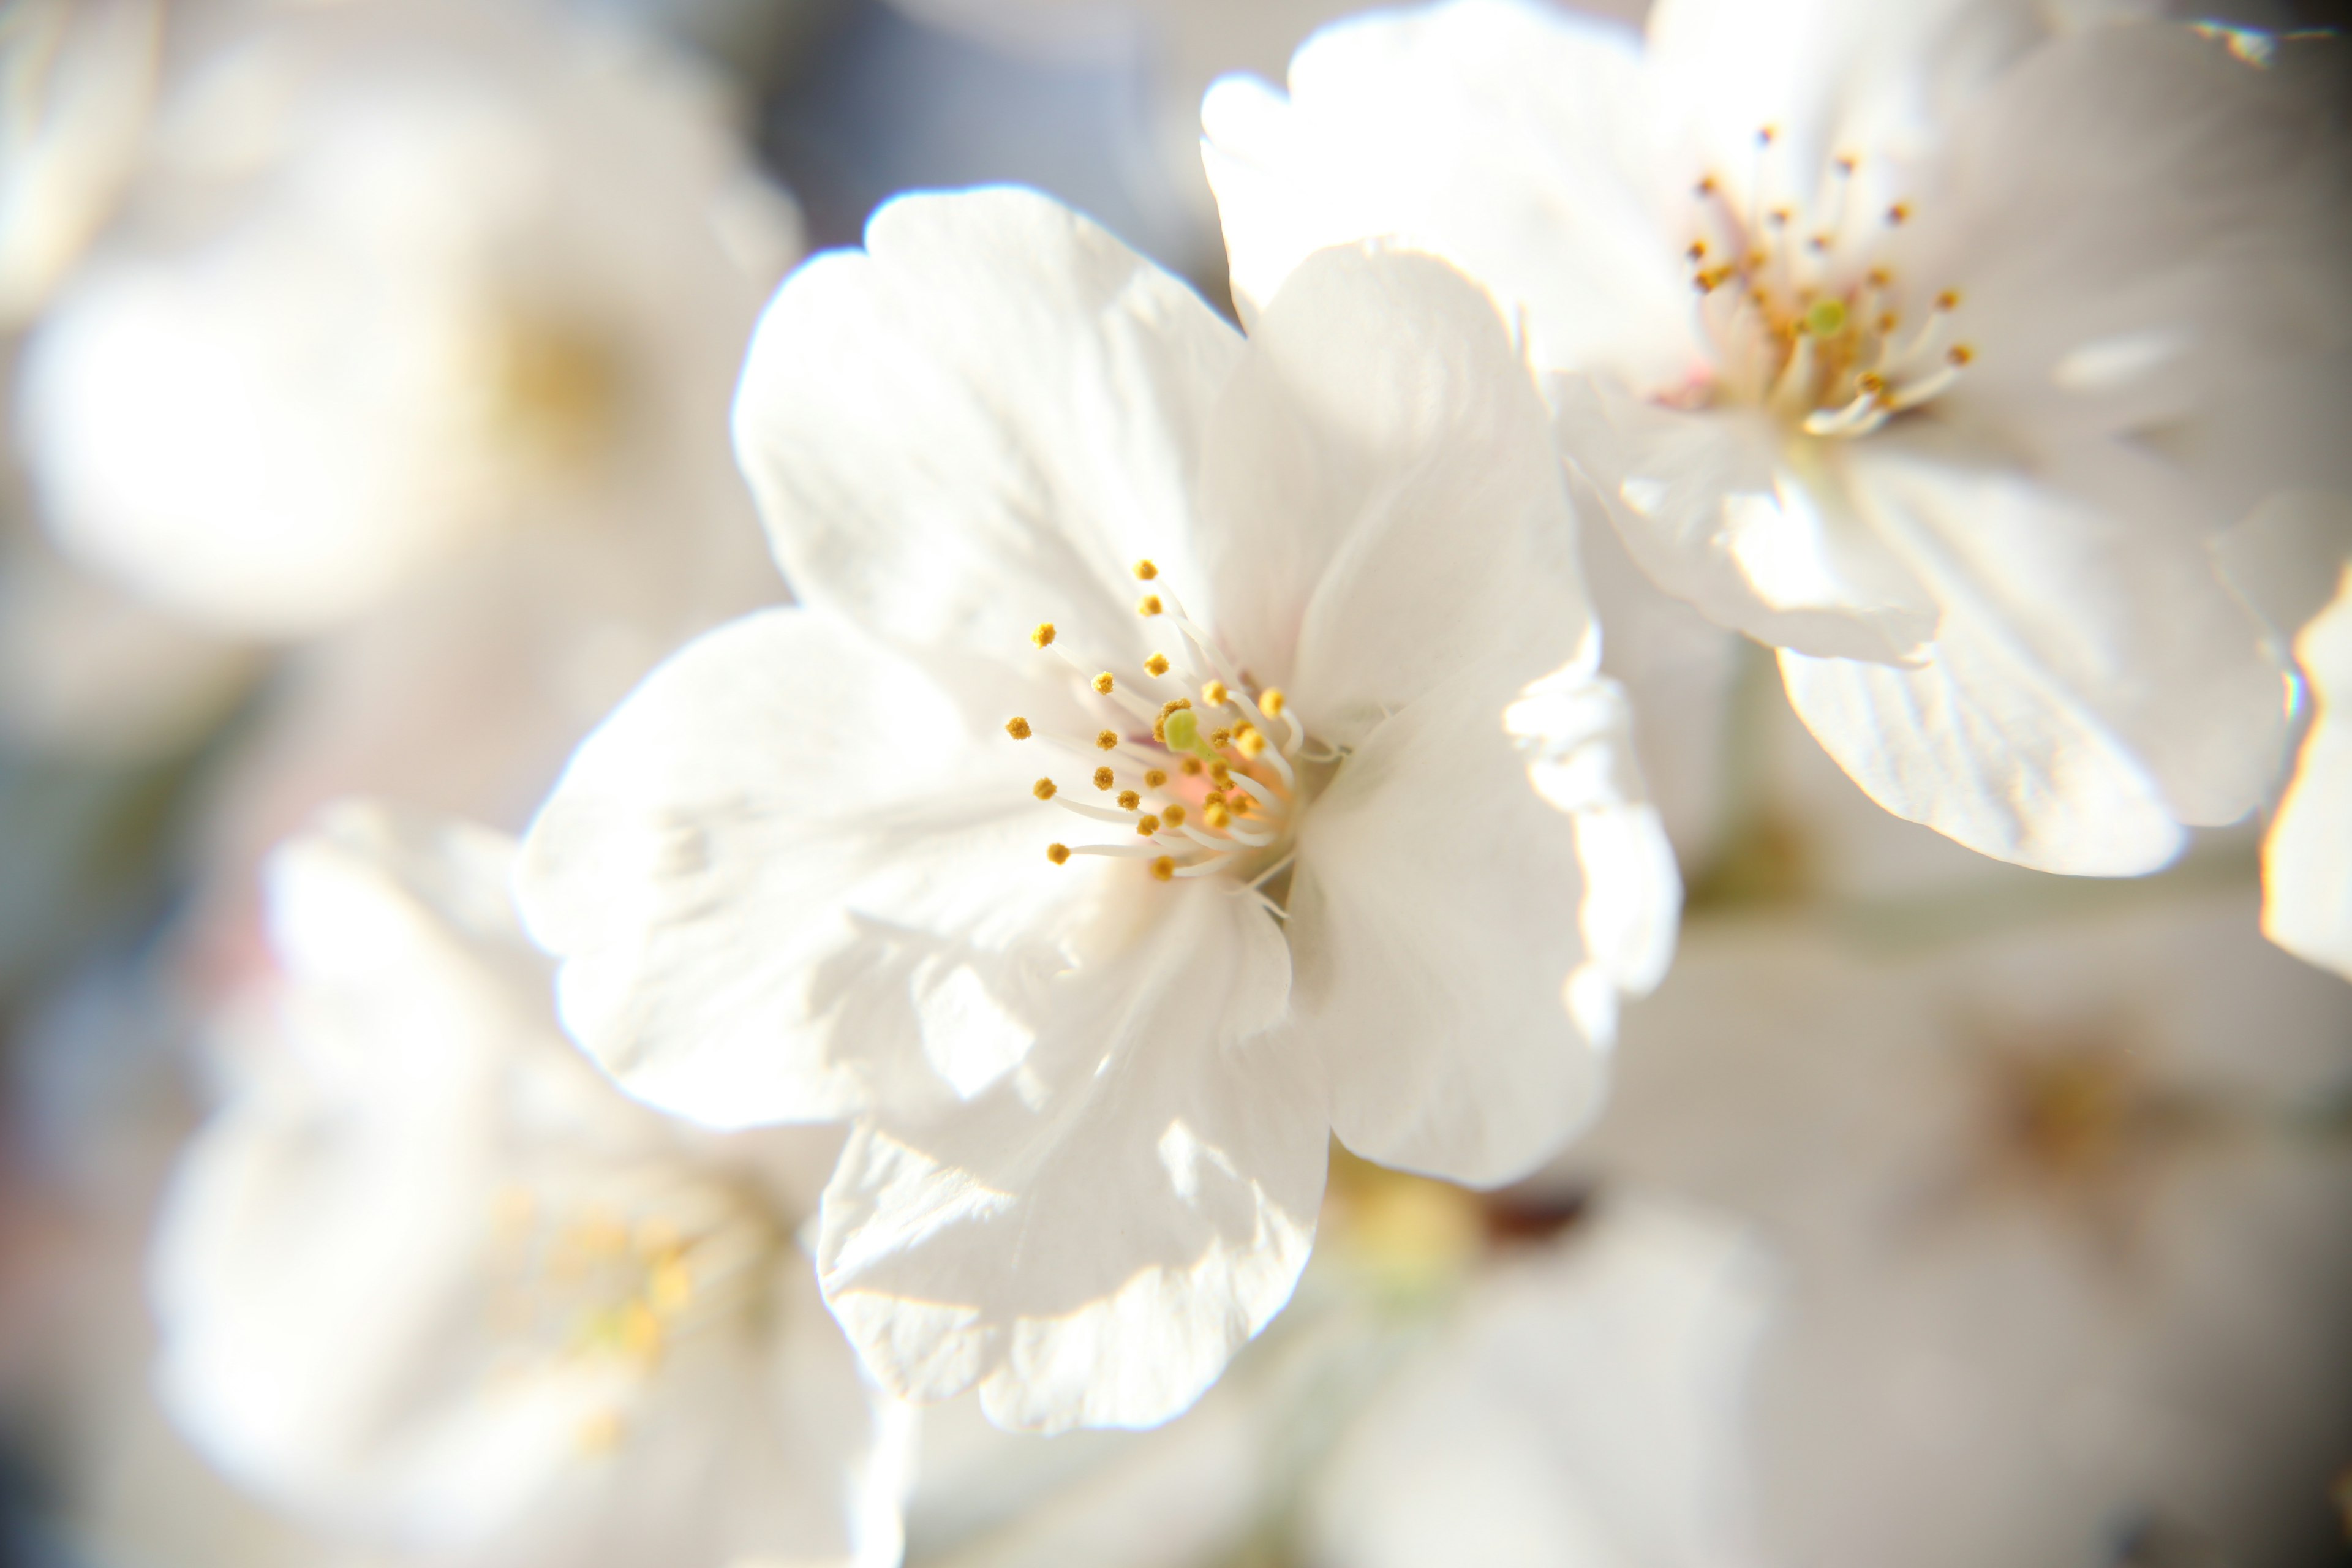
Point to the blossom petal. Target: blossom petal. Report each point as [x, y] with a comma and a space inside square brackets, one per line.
[782, 841]
[2093, 577]
[1091, 1240]
[1381, 506]
[1713, 507]
[2148, 236]
[979, 423]
[1581, 1407]
[1505, 137]
[1461, 930]
[2307, 860]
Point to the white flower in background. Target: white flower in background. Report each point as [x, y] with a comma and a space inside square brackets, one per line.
[1460, 1380]
[2307, 859]
[401, 283]
[428, 1280]
[1914, 340]
[2059, 1212]
[1189, 750]
[76, 80]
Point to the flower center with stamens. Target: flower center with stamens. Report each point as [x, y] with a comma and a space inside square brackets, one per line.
[655, 1258]
[1806, 319]
[1204, 770]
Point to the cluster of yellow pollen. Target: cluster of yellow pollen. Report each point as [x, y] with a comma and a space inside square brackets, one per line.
[1207, 787]
[594, 1284]
[1808, 327]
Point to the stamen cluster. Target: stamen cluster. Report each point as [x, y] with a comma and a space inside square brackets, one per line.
[1803, 322]
[1201, 763]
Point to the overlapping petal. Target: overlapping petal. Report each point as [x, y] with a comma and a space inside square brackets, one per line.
[1380, 507]
[979, 422]
[1458, 957]
[2307, 859]
[1092, 1238]
[1503, 136]
[766, 860]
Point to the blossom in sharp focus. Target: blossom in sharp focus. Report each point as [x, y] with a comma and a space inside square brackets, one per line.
[1188, 748]
[399, 286]
[428, 1283]
[1925, 344]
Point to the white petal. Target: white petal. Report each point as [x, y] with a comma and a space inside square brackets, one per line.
[1714, 507]
[1584, 1407]
[1979, 746]
[2148, 235]
[2307, 860]
[1380, 502]
[980, 423]
[1461, 930]
[1091, 1240]
[1508, 137]
[1829, 77]
[782, 840]
[2090, 573]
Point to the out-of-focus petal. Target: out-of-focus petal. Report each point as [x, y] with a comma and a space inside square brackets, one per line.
[2307, 860]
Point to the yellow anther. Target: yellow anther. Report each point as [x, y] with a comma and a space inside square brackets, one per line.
[1269, 702]
[1174, 815]
[1879, 278]
[1214, 694]
[1144, 571]
[1219, 738]
[1697, 251]
[600, 1433]
[1221, 773]
[1153, 778]
[1886, 323]
[1949, 300]
[1871, 382]
[1164, 869]
[1249, 742]
[1157, 664]
[1059, 854]
[1173, 704]
[1960, 354]
[1044, 635]
[1043, 789]
[1129, 800]
[670, 1288]
[1900, 213]
[1189, 766]
[1103, 777]
[1146, 825]
[1017, 728]
[641, 1331]
[1149, 605]
[1103, 683]
[1106, 740]
[1846, 165]
[1706, 186]
[1215, 815]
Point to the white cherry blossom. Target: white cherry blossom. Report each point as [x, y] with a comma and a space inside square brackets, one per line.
[398, 286]
[432, 1286]
[1928, 343]
[1188, 748]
